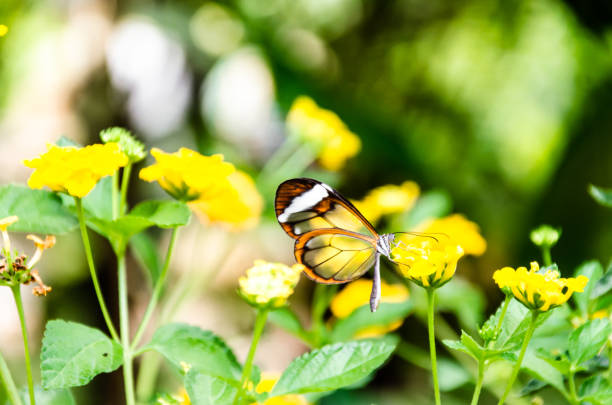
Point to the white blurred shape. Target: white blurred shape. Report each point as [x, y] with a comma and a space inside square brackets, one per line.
[238, 101]
[215, 29]
[152, 69]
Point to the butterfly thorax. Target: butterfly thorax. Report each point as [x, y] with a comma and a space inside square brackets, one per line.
[383, 244]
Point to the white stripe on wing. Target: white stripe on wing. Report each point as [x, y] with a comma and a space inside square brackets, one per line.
[304, 201]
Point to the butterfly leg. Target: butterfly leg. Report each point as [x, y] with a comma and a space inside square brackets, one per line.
[375, 295]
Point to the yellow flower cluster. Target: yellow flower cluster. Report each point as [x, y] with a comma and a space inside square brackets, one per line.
[267, 382]
[324, 130]
[388, 199]
[269, 284]
[356, 294]
[459, 230]
[215, 190]
[427, 261]
[187, 175]
[75, 170]
[537, 290]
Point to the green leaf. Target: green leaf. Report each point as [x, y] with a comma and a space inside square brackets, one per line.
[602, 286]
[593, 270]
[73, 354]
[201, 350]
[597, 390]
[586, 341]
[164, 214]
[333, 366]
[515, 325]
[534, 385]
[288, 320]
[145, 252]
[119, 231]
[96, 204]
[560, 362]
[602, 195]
[467, 345]
[431, 204]
[39, 211]
[64, 141]
[206, 389]
[48, 397]
[362, 318]
[542, 370]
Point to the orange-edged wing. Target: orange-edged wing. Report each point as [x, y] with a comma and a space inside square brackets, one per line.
[303, 205]
[335, 256]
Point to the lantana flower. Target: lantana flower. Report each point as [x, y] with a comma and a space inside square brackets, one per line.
[536, 289]
[75, 171]
[269, 285]
[324, 130]
[429, 262]
[187, 175]
[459, 230]
[238, 205]
[388, 199]
[267, 382]
[356, 294]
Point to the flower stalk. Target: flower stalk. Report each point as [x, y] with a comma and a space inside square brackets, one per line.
[16, 289]
[9, 384]
[260, 322]
[479, 380]
[431, 296]
[92, 269]
[519, 361]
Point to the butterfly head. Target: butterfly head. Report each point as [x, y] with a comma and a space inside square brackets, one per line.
[385, 243]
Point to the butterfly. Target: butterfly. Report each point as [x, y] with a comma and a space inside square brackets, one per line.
[333, 240]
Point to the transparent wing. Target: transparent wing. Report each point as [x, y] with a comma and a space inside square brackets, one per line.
[303, 205]
[334, 256]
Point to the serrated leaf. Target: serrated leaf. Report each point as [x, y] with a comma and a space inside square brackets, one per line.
[602, 195]
[39, 211]
[586, 341]
[593, 270]
[145, 252]
[202, 350]
[333, 366]
[73, 354]
[597, 390]
[515, 325]
[288, 320]
[541, 370]
[473, 346]
[362, 318]
[206, 389]
[164, 214]
[459, 346]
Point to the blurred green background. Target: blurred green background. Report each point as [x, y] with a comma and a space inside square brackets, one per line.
[504, 106]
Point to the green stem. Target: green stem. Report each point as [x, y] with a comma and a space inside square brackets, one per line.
[9, 383]
[279, 156]
[519, 361]
[610, 362]
[546, 256]
[573, 398]
[114, 199]
[124, 324]
[125, 181]
[502, 315]
[159, 285]
[260, 322]
[320, 303]
[431, 297]
[92, 270]
[480, 378]
[17, 295]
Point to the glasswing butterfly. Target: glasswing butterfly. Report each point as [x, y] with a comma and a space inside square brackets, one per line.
[333, 240]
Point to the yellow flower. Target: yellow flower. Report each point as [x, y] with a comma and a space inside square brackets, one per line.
[237, 205]
[324, 130]
[538, 290]
[269, 284]
[8, 221]
[460, 230]
[267, 382]
[3, 30]
[428, 261]
[187, 175]
[75, 170]
[601, 314]
[388, 199]
[357, 293]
